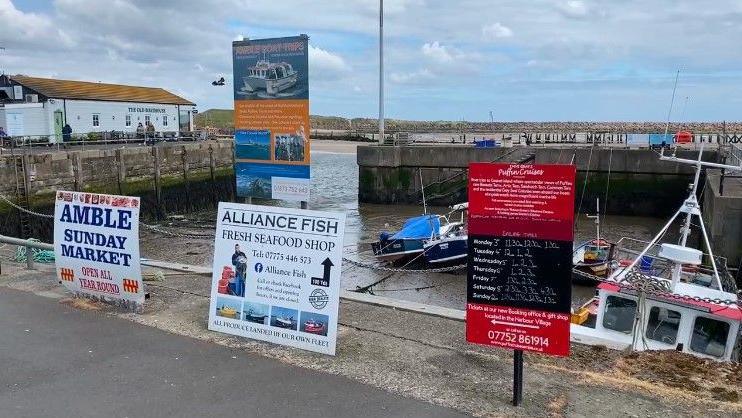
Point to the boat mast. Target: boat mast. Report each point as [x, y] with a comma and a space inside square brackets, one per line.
[597, 220]
[422, 190]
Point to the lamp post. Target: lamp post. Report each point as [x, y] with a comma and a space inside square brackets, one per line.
[381, 72]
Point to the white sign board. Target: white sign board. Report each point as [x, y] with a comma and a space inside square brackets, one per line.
[96, 245]
[277, 275]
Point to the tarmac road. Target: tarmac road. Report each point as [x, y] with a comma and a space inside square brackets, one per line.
[57, 361]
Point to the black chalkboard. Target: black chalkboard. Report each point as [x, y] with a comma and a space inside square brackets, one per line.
[519, 272]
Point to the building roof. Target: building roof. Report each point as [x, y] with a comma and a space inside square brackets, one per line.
[86, 90]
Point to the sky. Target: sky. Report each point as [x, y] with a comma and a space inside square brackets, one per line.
[536, 60]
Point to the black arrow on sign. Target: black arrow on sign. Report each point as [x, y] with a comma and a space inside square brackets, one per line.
[325, 279]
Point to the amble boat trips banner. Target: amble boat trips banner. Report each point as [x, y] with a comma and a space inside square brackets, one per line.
[271, 117]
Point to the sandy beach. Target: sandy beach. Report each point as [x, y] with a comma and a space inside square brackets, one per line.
[335, 147]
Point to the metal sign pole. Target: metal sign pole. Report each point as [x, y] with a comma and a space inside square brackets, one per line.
[381, 72]
[517, 377]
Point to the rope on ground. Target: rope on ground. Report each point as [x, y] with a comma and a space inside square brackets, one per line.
[418, 288]
[39, 256]
[404, 270]
[22, 209]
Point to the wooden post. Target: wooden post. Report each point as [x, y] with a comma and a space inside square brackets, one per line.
[184, 157]
[121, 172]
[158, 182]
[212, 172]
[77, 171]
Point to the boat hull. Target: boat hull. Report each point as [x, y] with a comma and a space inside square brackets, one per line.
[397, 249]
[270, 86]
[447, 250]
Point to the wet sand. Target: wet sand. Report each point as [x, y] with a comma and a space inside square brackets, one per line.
[335, 147]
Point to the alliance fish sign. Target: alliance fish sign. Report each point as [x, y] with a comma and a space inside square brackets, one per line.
[277, 275]
[96, 245]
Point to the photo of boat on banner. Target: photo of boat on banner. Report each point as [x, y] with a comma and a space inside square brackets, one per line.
[256, 180]
[256, 313]
[271, 69]
[256, 145]
[228, 308]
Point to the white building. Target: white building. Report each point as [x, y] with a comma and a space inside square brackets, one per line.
[32, 106]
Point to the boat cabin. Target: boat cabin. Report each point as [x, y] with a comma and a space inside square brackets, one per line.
[269, 71]
[666, 322]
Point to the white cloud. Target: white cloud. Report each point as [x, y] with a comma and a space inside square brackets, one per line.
[437, 52]
[325, 64]
[453, 47]
[574, 8]
[412, 77]
[495, 31]
[28, 29]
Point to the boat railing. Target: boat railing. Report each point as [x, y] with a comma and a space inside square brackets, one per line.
[626, 248]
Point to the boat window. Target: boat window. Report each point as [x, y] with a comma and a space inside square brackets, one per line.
[663, 325]
[709, 336]
[619, 314]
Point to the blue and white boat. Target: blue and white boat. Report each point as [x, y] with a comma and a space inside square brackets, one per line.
[450, 245]
[409, 240]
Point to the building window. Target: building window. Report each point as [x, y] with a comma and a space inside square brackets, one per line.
[146, 119]
[709, 336]
[663, 325]
[96, 119]
[619, 314]
[128, 120]
[164, 121]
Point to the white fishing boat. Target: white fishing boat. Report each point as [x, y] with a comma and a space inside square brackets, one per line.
[452, 243]
[271, 77]
[284, 322]
[665, 298]
[591, 259]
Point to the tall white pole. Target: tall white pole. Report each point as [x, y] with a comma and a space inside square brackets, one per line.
[381, 71]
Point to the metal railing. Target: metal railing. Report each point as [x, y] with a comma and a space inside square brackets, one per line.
[100, 138]
[735, 152]
[29, 245]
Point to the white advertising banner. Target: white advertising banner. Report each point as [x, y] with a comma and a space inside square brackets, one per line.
[96, 245]
[277, 275]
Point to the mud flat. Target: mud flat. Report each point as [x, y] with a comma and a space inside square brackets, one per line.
[335, 146]
[425, 357]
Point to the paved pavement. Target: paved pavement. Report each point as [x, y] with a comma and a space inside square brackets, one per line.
[62, 362]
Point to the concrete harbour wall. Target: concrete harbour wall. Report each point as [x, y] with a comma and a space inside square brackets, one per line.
[168, 179]
[637, 182]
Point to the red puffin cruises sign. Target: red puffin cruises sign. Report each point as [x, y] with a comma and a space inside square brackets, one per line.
[520, 256]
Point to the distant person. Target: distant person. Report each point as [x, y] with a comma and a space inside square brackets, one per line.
[66, 133]
[3, 135]
[239, 261]
[140, 130]
[150, 131]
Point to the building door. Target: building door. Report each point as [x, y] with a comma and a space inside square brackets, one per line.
[58, 125]
[15, 124]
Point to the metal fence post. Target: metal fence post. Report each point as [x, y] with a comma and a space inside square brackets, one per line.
[29, 257]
